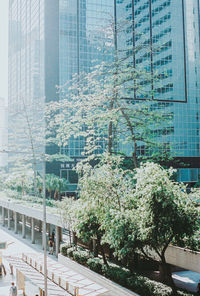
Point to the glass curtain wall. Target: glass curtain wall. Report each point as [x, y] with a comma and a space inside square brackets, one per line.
[164, 37]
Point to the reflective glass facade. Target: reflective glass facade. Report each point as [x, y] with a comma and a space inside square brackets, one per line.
[83, 42]
[164, 37]
[26, 52]
[51, 40]
[26, 81]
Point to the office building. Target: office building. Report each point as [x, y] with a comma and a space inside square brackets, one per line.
[51, 40]
[164, 35]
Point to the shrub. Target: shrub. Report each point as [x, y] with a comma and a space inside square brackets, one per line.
[146, 287]
[137, 283]
[70, 252]
[80, 256]
[95, 264]
[64, 251]
[116, 273]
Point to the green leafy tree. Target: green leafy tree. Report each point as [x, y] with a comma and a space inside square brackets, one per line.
[88, 227]
[103, 189]
[39, 184]
[60, 185]
[163, 208]
[152, 218]
[56, 185]
[50, 184]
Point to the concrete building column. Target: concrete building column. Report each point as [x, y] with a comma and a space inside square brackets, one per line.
[39, 225]
[15, 222]
[33, 230]
[9, 217]
[58, 229]
[61, 235]
[12, 216]
[3, 216]
[23, 226]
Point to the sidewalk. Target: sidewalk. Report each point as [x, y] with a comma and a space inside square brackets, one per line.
[113, 288]
[16, 246]
[20, 245]
[5, 283]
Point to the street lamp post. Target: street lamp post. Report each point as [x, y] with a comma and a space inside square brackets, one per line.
[44, 214]
[44, 228]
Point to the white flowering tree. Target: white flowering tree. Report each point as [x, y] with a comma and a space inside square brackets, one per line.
[20, 180]
[27, 136]
[95, 108]
[66, 210]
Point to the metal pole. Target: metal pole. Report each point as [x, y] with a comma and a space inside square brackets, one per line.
[44, 228]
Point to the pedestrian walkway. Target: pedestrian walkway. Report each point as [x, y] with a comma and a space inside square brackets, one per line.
[20, 245]
[113, 288]
[35, 277]
[65, 277]
[5, 283]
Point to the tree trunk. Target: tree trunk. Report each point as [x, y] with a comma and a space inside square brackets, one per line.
[166, 275]
[40, 191]
[74, 239]
[90, 244]
[103, 255]
[110, 254]
[110, 135]
[135, 262]
[95, 247]
[70, 237]
[22, 188]
[32, 148]
[102, 250]
[110, 131]
[56, 195]
[134, 154]
[35, 177]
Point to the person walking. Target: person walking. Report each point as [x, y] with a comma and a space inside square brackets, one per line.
[2, 269]
[13, 290]
[53, 235]
[11, 268]
[51, 245]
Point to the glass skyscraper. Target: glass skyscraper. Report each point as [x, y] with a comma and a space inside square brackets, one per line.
[51, 40]
[82, 44]
[164, 36]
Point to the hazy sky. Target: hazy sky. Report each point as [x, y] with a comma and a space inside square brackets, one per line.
[4, 48]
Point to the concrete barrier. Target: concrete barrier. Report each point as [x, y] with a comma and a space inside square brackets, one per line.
[184, 258]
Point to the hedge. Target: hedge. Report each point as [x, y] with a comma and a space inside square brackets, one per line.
[133, 281]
